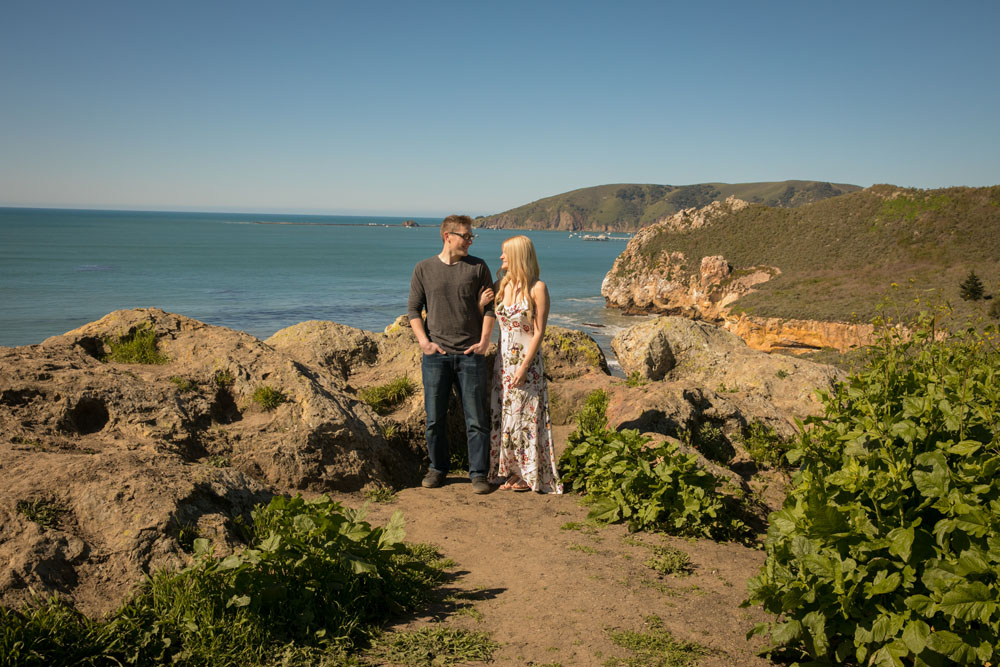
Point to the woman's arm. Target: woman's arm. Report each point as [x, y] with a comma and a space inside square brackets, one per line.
[539, 295]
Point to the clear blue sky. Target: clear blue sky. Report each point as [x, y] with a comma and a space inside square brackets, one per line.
[426, 108]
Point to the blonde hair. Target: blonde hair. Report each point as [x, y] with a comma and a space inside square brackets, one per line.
[522, 270]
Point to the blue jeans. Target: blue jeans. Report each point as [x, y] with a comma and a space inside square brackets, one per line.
[468, 372]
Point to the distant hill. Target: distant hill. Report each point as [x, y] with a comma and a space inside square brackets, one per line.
[840, 257]
[627, 207]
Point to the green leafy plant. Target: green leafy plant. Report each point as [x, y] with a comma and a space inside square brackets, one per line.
[650, 486]
[136, 347]
[268, 397]
[315, 580]
[384, 398]
[44, 512]
[765, 446]
[781, 374]
[886, 550]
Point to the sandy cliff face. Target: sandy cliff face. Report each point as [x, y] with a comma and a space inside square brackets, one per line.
[643, 280]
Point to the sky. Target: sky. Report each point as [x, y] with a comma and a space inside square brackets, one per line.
[430, 108]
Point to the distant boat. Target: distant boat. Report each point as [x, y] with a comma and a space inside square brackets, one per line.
[599, 237]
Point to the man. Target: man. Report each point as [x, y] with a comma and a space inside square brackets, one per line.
[454, 339]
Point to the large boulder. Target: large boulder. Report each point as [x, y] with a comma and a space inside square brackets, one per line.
[89, 524]
[710, 358]
[200, 404]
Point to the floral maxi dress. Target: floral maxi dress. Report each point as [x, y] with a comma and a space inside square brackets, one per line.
[520, 433]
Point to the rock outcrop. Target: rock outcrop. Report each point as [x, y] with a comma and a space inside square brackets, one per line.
[114, 468]
[645, 279]
[708, 358]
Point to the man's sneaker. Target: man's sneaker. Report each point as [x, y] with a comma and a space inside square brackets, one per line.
[433, 479]
[480, 485]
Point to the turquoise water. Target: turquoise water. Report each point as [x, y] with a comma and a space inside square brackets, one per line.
[60, 269]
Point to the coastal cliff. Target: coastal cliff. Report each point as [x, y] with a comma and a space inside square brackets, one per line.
[803, 279]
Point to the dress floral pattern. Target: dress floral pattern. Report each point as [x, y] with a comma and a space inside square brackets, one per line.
[521, 432]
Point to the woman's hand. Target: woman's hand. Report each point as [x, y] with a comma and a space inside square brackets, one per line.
[518, 378]
[486, 297]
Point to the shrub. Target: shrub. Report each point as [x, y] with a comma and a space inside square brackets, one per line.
[648, 486]
[765, 446]
[886, 549]
[136, 347]
[223, 379]
[314, 575]
[383, 398]
[268, 397]
[184, 385]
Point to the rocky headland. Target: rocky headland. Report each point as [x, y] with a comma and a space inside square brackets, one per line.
[130, 461]
[645, 281]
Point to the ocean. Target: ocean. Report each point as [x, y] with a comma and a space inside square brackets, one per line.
[259, 273]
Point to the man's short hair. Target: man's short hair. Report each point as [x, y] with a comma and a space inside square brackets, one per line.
[453, 222]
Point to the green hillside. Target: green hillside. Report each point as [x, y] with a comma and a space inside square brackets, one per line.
[627, 207]
[840, 256]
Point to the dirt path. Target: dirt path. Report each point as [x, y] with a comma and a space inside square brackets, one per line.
[549, 594]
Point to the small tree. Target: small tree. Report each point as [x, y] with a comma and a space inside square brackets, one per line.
[971, 288]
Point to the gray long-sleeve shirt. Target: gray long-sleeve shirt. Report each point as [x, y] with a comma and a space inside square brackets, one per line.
[450, 293]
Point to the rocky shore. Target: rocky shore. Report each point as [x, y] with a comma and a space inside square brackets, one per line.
[134, 460]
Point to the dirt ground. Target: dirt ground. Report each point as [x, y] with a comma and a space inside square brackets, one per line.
[550, 594]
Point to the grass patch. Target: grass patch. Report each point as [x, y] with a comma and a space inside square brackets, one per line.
[635, 379]
[384, 398]
[184, 385]
[223, 379]
[219, 461]
[582, 548]
[136, 347]
[433, 645]
[665, 559]
[44, 512]
[268, 397]
[380, 494]
[654, 648]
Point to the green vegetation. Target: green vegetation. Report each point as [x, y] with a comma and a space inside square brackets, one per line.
[839, 256]
[971, 289]
[184, 385]
[384, 398]
[380, 494]
[44, 512]
[711, 442]
[651, 487]
[268, 397]
[223, 379]
[623, 207]
[136, 347]
[886, 550]
[635, 379]
[665, 559]
[433, 645]
[654, 648]
[316, 581]
[764, 446]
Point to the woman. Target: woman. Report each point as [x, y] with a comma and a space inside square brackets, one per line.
[521, 453]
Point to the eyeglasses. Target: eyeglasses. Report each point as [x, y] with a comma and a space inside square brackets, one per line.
[468, 237]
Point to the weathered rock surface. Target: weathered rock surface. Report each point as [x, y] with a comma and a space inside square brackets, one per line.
[139, 456]
[773, 387]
